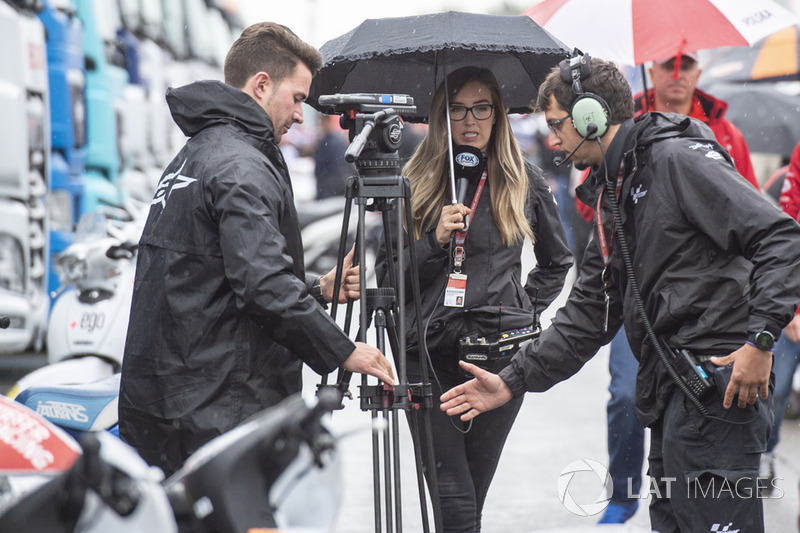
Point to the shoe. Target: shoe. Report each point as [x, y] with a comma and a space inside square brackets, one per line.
[618, 513]
[766, 473]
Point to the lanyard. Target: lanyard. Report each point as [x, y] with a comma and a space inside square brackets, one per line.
[460, 237]
[606, 244]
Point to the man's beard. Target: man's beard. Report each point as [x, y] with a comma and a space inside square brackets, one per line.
[580, 164]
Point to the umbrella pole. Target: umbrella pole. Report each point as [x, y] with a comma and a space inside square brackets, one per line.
[644, 89]
[453, 192]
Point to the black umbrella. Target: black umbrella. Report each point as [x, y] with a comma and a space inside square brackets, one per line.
[768, 118]
[412, 55]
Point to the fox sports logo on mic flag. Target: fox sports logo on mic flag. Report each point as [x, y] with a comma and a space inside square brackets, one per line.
[467, 159]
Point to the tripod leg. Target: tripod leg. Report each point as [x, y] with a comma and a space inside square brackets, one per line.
[398, 505]
[387, 469]
[390, 470]
[413, 423]
[376, 472]
[415, 288]
[351, 184]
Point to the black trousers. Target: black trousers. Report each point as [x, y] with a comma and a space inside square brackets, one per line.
[704, 469]
[466, 453]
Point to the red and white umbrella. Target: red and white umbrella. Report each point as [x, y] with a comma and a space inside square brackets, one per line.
[29, 444]
[632, 32]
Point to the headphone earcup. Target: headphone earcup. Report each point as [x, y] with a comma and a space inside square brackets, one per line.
[590, 109]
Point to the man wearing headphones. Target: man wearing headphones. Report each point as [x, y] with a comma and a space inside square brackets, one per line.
[674, 90]
[671, 263]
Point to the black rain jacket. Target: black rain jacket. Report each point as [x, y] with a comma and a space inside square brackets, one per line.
[714, 261]
[496, 298]
[221, 318]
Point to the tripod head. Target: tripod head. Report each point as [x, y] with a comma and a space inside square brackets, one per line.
[375, 128]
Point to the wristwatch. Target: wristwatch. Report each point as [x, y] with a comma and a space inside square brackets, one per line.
[763, 340]
[316, 292]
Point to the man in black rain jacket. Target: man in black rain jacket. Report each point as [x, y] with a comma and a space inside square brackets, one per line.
[718, 272]
[223, 315]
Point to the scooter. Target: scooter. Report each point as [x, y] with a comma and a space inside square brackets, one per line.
[89, 320]
[276, 470]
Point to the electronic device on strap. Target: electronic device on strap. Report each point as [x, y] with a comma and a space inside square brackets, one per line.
[691, 372]
[493, 352]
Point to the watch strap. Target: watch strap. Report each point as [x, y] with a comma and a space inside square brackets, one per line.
[316, 292]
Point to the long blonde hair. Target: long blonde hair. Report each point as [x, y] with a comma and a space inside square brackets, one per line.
[428, 169]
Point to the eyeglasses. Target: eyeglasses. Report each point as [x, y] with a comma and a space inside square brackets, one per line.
[556, 124]
[480, 111]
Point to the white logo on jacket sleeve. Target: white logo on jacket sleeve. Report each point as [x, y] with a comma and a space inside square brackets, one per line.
[164, 185]
[638, 194]
[709, 148]
[705, 146]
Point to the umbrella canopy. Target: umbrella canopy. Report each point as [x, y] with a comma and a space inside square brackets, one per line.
[632, 32]
[774, 58]
[412, 55]
[766, 116]
[33, 445]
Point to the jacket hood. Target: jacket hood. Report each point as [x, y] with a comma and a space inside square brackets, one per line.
[638, 134]
[202, 104]
[655, 126]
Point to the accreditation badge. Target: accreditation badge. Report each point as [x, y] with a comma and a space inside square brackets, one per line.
[456, 290]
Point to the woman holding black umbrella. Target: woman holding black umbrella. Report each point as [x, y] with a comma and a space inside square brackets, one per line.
[470, 280]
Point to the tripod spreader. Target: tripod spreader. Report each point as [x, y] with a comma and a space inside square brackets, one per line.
[408, 397]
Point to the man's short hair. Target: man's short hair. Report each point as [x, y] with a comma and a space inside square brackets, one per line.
[606, 81]
[271, 48]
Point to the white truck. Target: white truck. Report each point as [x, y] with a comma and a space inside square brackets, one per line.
[24, 177]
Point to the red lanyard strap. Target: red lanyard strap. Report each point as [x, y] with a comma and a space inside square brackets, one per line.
[460, 237]
[605, 246]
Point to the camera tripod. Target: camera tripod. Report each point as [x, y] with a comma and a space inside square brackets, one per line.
[378, 187]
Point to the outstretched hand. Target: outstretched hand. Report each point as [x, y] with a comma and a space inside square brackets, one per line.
[351, 281]
[485, 392]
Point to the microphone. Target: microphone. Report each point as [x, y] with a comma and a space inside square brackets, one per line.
[468, 164]
[591, 129]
